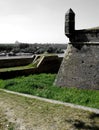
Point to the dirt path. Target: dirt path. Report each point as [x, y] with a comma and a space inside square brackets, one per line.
[18, 112]
[55, 102]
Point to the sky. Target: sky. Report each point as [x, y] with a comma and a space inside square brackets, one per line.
[42, 21]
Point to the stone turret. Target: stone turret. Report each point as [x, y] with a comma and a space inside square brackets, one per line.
[70, 24]
[80, 65]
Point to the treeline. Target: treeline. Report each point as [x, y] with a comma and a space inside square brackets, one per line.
[35, 48]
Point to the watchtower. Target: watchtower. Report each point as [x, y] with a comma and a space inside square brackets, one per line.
[69, 24]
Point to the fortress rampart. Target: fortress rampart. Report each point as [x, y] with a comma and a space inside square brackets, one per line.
[80, 66]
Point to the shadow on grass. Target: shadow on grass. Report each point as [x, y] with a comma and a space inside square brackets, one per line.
[79, 124]
[94, 115]
[82, 125]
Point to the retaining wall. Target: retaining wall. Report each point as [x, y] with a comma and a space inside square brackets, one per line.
[48, 64]
[5, 63]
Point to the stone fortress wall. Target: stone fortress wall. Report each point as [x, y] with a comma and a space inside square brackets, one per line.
[80, 66]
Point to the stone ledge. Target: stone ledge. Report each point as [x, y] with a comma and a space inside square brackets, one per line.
[90, 30]
[84, 43]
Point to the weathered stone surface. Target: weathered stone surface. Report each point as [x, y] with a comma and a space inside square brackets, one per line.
[80, 67]
[87, 35]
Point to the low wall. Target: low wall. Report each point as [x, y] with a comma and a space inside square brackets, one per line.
[48, 64]
[5, 63]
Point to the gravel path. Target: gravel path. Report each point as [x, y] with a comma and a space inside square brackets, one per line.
[56, 102]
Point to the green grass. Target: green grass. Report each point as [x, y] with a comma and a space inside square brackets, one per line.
[17, 68]
[42, 85]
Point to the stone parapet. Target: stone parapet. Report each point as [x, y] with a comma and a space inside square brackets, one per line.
[84, 43]
[86, 35]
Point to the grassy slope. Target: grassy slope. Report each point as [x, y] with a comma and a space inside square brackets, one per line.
[41, 85]
[17, 68]
[39, 115]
